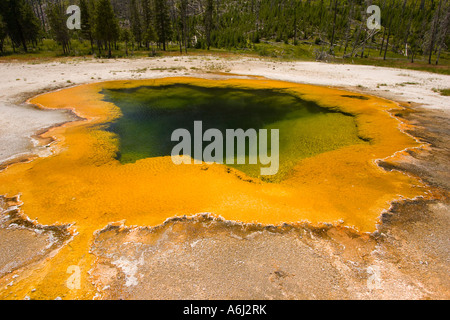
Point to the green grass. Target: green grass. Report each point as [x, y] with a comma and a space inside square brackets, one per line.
[285, 51]
[443, 92]
[48, 50]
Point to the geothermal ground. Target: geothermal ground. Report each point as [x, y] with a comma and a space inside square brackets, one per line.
[209, 258]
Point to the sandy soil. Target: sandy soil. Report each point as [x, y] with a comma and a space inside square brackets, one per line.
[407, 258]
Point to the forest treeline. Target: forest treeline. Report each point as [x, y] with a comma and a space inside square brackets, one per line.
[408, 27]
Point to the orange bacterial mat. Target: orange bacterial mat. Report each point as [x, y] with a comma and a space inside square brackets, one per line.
[83, 183]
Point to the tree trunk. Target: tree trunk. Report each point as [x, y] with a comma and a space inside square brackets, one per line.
[382, 41]
[387, 44]
[356, 40]
[384, 31]
[438, 55]
[334, 24]
[433, 31]
[347, 34]
[408, 28]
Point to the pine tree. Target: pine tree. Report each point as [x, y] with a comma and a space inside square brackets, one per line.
[146, 12]
[148, 29]
[443, 30]
[135, 21]
[31, 24]
[334, 26]
[183, 24]
[413, 44]
[349, 26]
[106, 25]
[150, 37]
[209, 21]
[2, 33]
[433, 31]
[86, 22]
[21, 24]
[57, 20]
[162, 22]
[126, 36]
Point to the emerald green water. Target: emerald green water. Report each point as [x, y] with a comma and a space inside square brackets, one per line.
[151, 114]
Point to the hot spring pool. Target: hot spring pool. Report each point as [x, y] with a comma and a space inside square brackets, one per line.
[114, 163]
[150, 114]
